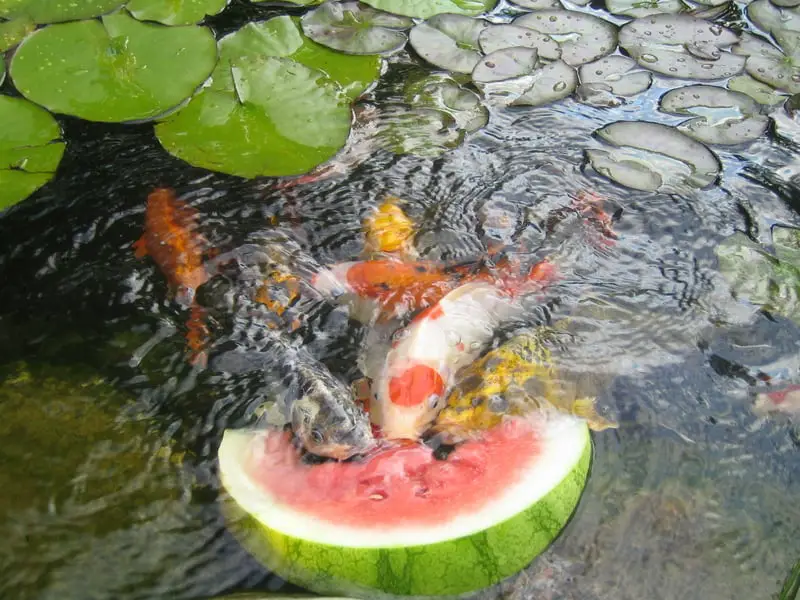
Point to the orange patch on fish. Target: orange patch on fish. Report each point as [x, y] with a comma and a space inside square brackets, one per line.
[434, 312]
[415, 386]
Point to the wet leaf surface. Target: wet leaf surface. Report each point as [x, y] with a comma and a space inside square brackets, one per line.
[551, 82]
[637, 9]
[443, 93]
[423, 9]
[619, 74]
[450, 42]
[508, 63]
[30, 149]
[356, 29]
[55, 11]
[419, 131]
[757, 90]
[499, 37]
[14, 31]
[117, 69]
[175, 12]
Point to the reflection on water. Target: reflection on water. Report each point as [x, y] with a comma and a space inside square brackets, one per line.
[110, 489]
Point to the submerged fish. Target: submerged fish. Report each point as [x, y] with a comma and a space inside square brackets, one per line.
[388, 230]
[785, 400]
[425, 356]
[517, 378]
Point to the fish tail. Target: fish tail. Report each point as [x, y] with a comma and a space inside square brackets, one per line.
[140, 248]
[584, 408]
[197, 336]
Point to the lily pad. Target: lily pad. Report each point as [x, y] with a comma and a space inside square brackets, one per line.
[356, 29]
[771, 18]
[450, 42]
[582, 37]
[758, 91]
[424, 9]
[498, 37]
[553, 81]
[782, 74]
[786, 241]
[423, 132]
[542, 4]
[682, 46]
[175, 12]
[14, 31]
[117, 69]
[619, 73]
[725, 117]
[53, 11]
[282, 118]
[508, 63]
[2, 70]
[443, 93]
[30, 149]
[638, 9]
[753, 45]
[281, 37]
[652, 156]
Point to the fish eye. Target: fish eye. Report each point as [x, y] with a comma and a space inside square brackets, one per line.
[433, 400]
[316, 436]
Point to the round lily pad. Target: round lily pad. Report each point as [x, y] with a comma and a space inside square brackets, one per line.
[780, 73]
[553, 81]
[450, 42]
[508, 63]
[55, 11]
[758, 91]
[652, 156]
[771, 18]
[14, 31]
[117, 69]
[638, 9]
[619, 73]
[282, 118]
[175, 12]
[726, 117]
[30, 149]
[281, 37]
[753, 45]
[424, 132]
[356, 29]
[423, 9]
[582, 37]
[443, 93]
[542, 4]
[498, 37]
[682, 46]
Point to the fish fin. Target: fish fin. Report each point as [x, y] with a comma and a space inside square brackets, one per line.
[584, 408]
[140, 248]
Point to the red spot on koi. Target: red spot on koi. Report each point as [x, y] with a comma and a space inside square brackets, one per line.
[415, 386]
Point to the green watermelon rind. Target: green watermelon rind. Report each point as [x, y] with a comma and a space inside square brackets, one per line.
[453, 568]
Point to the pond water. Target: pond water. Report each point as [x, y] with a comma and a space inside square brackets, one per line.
[109, 437]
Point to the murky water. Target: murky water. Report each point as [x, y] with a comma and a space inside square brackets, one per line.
[110, 488]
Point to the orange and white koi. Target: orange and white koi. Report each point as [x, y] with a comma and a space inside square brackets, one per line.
[785, 400]
[172, 240]
[420, 368]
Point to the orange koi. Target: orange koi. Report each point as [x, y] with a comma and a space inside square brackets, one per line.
[389, 230]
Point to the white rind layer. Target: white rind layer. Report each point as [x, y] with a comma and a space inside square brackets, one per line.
[563, 441]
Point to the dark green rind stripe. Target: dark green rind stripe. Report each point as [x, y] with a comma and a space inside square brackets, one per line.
[446, 569]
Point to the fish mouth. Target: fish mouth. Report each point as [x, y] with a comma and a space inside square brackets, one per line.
[343, 451]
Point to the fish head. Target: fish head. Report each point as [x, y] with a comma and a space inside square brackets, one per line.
[478, 402]
[334, 428]
[411, 400]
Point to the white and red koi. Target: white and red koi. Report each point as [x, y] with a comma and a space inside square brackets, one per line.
[786, 400]
[425, 356]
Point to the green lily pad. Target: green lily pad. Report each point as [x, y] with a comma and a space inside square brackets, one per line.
[542, 4]
[499, 37]
[786, 241]
[508, 63]
[30, 149]
[443, 93]
[758, 91]
[725, 117]
[175, 12]
[449, 42]
[771, 18]
[282, 118]
[55, 11]
[356, 29]
[780, 73]
[423, 132]
[281, 37]
[582, 37]
[423, 9]
[14, 31]
[618, 73]
[117, 69]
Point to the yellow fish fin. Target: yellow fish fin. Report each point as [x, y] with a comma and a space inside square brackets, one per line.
[584, 408]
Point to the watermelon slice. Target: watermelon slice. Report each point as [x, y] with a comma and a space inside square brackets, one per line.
[402, 522]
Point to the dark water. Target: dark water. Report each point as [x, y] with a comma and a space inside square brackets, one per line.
[110, 488]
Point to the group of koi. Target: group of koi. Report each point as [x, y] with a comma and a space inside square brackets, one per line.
[428, 363]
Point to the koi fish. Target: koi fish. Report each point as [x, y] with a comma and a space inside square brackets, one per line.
[786, 400]
[425, 356]
[514, 379]
[388, 230]
[171, 239]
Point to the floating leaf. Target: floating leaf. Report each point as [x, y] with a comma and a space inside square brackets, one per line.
[283, 118]
[618, 73]
[449, 42]
[356, 29]
[726, 117]
[443, 93]
[771, 18]
[508, 63]
[13, 32]
[117, 69]
[551, 82]
[782, 74]
[681, 46]
[638, 9]
[542, 4]
[30, 149]
[424, 9]
[2, 70]
[582, 37]
[498, 37]
[651, 156]
[55, 11]
[423, 132]
[281, 37]
[753, 45]
[175, 12]
[758, 91]
[786, 241]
